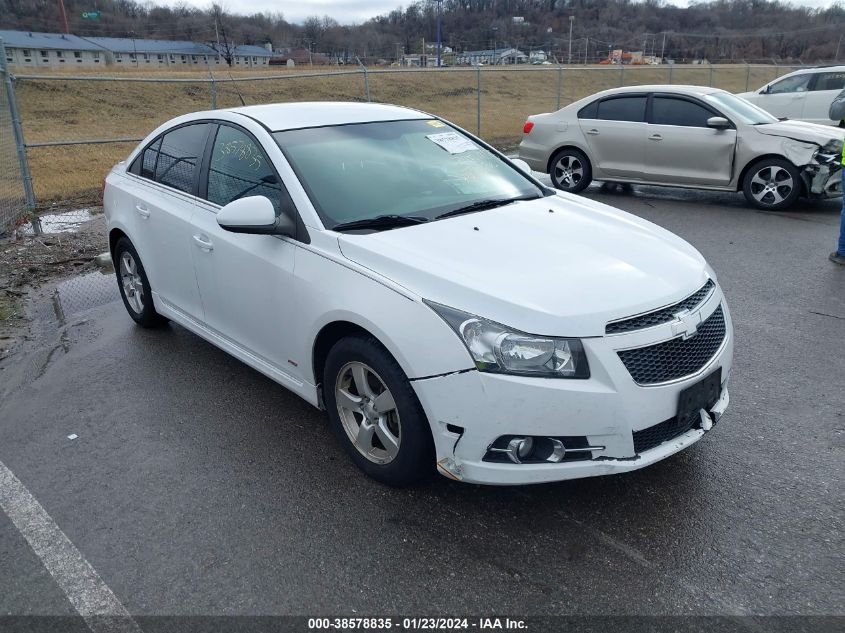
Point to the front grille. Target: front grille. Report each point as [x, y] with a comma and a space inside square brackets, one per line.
[663, 315]
[663, 432]
[678, 357]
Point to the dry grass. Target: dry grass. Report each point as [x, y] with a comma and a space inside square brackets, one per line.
[55, 109]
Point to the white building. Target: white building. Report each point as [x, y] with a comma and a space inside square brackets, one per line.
[56, 50]
[60, 50]
[491, 57]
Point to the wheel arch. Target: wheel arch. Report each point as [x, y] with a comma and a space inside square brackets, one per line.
[326, 338]
[114, 236]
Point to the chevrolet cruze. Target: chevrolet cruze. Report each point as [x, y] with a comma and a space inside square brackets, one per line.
[446, 309]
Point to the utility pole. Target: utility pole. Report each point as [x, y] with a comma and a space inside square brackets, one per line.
[64, 15]
[494, 61]
[571, 22]
[663, 48]
[838, 44]
[439, 41]
[586, 45]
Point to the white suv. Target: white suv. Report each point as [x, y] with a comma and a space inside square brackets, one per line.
[443, 306]
[804, 95]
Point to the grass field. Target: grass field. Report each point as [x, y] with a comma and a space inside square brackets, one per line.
[60, 109]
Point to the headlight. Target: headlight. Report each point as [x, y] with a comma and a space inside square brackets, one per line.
[498, 349]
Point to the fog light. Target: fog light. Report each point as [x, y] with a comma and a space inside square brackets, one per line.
[519, 448]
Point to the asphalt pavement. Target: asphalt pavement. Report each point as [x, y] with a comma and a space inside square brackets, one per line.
[196, 486]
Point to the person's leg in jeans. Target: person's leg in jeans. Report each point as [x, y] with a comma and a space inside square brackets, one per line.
[841, 250]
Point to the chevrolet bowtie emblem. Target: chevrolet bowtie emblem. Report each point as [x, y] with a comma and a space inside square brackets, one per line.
[686, 324]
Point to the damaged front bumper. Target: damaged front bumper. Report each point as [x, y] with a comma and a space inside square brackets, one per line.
[823, 174]
[823, 180]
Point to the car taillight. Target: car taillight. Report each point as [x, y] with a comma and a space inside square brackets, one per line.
[527, 127]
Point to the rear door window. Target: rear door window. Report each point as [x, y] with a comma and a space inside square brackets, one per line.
[623, 109]
[830, 81]
[179, 155]
[680, 112]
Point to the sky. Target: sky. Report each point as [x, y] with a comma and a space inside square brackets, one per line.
[354, 11]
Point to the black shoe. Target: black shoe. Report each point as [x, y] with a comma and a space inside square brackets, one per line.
[836, 258]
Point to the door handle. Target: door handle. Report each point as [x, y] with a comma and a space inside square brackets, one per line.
[593, 131]
[655, 137]
[204, 243]
[142, 211]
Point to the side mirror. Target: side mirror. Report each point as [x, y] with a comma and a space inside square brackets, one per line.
[718, 122]
[522, 165]
[255, 215]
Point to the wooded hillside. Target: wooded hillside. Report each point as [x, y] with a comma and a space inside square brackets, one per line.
[753, 30]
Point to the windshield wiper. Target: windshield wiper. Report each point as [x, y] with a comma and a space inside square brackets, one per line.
[380, 222]
[481, 205]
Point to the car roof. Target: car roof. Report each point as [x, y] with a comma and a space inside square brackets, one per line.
[675, 88]
[815, 69]
[292, 116]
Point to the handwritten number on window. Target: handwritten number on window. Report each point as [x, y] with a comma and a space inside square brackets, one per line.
[244, 151]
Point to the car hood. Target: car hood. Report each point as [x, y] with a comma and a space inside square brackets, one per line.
[561, 265]
[802, 131]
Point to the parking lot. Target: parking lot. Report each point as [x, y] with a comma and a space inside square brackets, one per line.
[196, 486]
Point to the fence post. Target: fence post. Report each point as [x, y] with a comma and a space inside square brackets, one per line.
[213, 94]
[621, 73]
[20, 146]
[671, 66]
[478, 100]
[747, 76]
[559, 84]
[711, 75]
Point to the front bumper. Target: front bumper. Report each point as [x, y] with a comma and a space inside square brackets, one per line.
[823, 181]
[469, 410]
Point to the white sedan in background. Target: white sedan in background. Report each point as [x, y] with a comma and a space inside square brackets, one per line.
[804, 95]
[444, 307]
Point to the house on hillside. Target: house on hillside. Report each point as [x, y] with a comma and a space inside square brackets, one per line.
[62, 50]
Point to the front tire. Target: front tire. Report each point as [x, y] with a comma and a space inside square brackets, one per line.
[570, 170]
[375, 413]
[772, 184]
[134, 285]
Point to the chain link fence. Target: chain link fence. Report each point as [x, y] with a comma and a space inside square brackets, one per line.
[16, 197]
[77, 127]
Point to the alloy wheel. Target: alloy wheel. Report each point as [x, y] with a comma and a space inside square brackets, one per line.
[771, 185]
[568, 171]
[130, 279]
[368, 412]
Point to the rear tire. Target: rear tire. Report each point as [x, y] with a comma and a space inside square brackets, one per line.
[772, 184]
[134, 285]
[375, 413]
[570, 170]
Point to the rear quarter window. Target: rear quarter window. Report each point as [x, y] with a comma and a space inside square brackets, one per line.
[623, 109]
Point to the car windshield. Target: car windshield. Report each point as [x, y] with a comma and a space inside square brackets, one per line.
[739, 108]
[419, 168]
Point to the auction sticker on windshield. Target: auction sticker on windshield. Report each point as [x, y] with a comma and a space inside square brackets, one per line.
[452, 142]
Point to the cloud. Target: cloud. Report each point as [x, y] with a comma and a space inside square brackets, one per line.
[344, 11]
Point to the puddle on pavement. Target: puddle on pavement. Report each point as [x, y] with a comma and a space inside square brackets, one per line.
[66, 222]
[84, 292]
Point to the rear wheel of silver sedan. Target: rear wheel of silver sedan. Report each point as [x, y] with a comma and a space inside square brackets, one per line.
[570, 170]
[375, 412]
[772, 184]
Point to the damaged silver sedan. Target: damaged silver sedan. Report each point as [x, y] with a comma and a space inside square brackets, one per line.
[684, 136]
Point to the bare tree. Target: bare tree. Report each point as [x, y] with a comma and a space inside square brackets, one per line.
[222, 46]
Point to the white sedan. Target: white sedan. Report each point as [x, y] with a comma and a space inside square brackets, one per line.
[444, 307]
